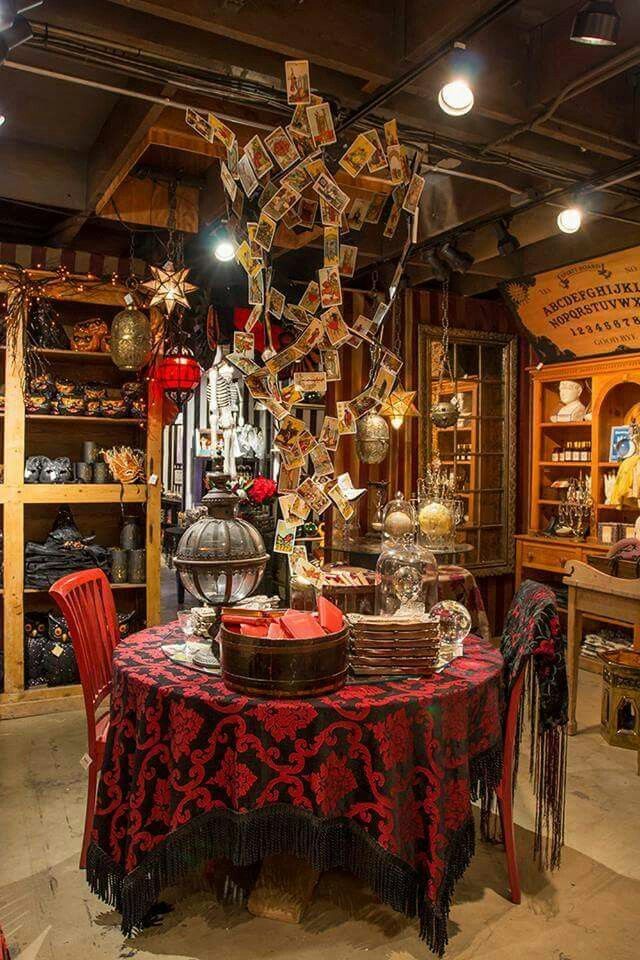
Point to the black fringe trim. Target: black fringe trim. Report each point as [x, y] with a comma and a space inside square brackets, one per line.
[326, 844]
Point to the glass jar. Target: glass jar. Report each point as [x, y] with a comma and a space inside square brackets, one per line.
[406, 578]
[398, 519]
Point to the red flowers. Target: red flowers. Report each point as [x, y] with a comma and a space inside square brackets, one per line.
[261, 490]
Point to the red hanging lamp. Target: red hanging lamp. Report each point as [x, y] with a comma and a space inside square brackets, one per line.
[179, 373]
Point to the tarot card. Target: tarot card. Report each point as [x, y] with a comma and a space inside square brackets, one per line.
[222, 132]
[391, 362]
[306, 443]
[391, 133]
[314, 166]
[413, 194]
[381, 311]
[279, 411]
[243, 344]
[297, 316]
[331, 363]
[245, 364]
[307, 209]
[357, 212]
[348, 257]
[283, 359]
[246, 261]
[290, 395]
[253, 318]
[237, 205]
[314, 382]
[288, 479]
[329, 435]
[314, 495]
[357, 156]
[346, 419]
[311, 336]
[298, 83]
[376, 207]
[378, 160]
[289, 433]
[285, 537]
[336, 328]
[392, 221]
[396, 163]
[406, 176]
[299, 509]
[347, 488]
[275, 302]
[256, 290]
[330, 287]
[280, 202]
[232, 160]
[303, 142]
[297, 557]
[340, 500]
[311, 297]
[329, 216]
[227, 181]
[363, 403]
[290, 458]
[298, 178]
[259, 384]
[300, 122]
[322, 463]
[326, 187]
[383, 384]
[285, 503]
[199, 123]
[321, 123]
[260, 159]
[331, 246]
[365, 327]
[269, 190]
[281, 148]
[291, 218]
[265, 231]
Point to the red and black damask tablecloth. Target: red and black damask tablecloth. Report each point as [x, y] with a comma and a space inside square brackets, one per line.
[376, 779]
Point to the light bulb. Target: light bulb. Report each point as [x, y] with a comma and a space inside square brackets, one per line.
[224, 251]
[570, 220]
[3, 119]
[456, 98]
[396, 422]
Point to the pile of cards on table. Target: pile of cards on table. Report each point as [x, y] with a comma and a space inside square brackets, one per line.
[285, 624]
[393, 646]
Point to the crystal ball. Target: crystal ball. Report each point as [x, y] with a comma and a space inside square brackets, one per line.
[397, 524]
[436, 520]
[454, 620]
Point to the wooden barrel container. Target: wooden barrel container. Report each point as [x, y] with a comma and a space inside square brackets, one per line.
[264, 667]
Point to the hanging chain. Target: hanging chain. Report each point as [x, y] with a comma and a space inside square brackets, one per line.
[171, 220]
[132, 280]
[396, 338]
[445, 364]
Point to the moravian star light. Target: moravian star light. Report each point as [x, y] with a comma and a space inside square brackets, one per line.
[169, 286]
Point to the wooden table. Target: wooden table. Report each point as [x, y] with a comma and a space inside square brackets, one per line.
[597, 596]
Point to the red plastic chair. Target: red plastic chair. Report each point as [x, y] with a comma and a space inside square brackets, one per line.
[86, 601]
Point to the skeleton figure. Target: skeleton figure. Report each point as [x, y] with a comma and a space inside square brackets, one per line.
[225, 410]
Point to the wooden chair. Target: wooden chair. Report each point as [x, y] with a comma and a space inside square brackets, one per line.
[86, 601]
[532, 620]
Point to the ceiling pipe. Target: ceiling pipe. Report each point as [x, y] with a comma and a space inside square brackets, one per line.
[395, 86]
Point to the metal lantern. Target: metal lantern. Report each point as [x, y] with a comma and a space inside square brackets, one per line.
[130, 339]
[444, 413]
[221, 558]
[372, 441]
[620, 721]
[179, 374]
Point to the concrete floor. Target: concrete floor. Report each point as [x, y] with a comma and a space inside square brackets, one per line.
[589, 909]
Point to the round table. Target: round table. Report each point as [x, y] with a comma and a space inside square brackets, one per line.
[377, 779]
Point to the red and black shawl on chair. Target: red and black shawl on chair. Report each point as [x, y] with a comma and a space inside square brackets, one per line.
[4, 949]
[532, 641]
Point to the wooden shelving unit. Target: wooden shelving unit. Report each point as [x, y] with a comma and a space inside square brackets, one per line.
[27, 509]
[612, 389]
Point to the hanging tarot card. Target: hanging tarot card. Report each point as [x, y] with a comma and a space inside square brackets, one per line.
[348, 257]
[314, 382]
[288, 479]
[330, 287]
[256, 290]
[340, 500]
[314, 495]
[247, 176]
[336, 329]
[311, 337]
[315, 165]
[306, 443]
[199, 123]
[378, 160]
[346, 419]
[321, 123]
[222, 132]
[321, 459]
[298, 83]
[285, 538]
[392, 221]
[232, 160]
[347, 488]
[307, 211]
[310, 298]
[396, 163]
[376, 207]
[243, 344]
[330, 435]
[326, 187]
[280, 202]
[331, 361]
[413, 194]
[275, 303]
[265, 231]
[357, 156]
[246, 261]
[363, 403]
[297, 178]
[357, 213]
[259, 384]
[243, 363]
[281, 148]
[391, 133]
[227, 181]
[298, 557]
[255, 248]
[391, 362]
[300, 123]
[283, 359]
[331, 247]
[329, 216]
[260, 159]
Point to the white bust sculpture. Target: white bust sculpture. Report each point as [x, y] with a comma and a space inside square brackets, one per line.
[572, 408]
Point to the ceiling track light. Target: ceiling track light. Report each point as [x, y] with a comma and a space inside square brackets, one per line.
[456, 98]
[224, 249]
[439, 270]
[19, 32]
[458, 260]
[597, 24]
[570, 219]
[508, 243]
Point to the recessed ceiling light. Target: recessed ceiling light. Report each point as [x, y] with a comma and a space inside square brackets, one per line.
[456, 98]
[597, 23]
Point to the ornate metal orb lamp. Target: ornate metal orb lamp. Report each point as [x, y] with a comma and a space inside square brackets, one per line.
[372, 441]
[221, 558]
[179, 374]
[130, 342]
[444, 413]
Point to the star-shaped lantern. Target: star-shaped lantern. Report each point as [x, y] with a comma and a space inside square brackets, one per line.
[169, 286]
[399, 405]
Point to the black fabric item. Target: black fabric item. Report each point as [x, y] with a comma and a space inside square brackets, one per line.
[35, 643]
[64, 551]
[60, 667]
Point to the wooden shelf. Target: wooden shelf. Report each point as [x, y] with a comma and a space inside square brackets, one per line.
[566, 463]
[564, 424]
[64, 418]
[84, 493]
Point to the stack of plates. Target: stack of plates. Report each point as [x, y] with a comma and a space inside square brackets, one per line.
[393, 647]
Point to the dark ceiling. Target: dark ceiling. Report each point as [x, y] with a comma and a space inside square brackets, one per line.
[549, 114]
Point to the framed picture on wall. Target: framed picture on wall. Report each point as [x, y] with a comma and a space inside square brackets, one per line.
[622, 445]
[203, 443]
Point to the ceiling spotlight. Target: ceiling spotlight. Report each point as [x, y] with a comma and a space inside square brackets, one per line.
[458, 260]
[9, 10]
[438, 269]
[224, 249]
[19, 32]
[456, 98]
[3, 119]
[508, 243]
[570, 220]
[597, 23]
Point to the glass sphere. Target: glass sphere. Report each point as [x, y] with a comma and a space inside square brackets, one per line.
[454, 625]
[406, 578]
[437, 524]
[398, 519]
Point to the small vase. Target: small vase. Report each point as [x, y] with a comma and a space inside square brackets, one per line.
[84, 472]
[100, 472]
[131, 537]
[137, 566]
[119, 565]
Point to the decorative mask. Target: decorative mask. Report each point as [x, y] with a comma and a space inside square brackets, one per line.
[89, 336]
